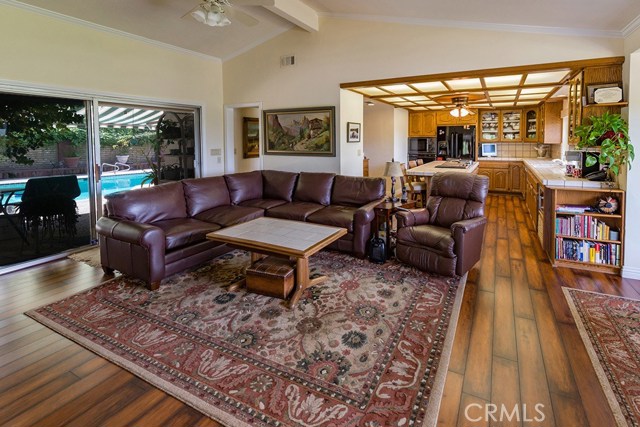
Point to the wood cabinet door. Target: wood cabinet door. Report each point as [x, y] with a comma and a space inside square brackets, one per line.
[415, 123]
[429, 127]
[501, 179]
[511, 125]
[471, 119]
[531, 124]
[517, 177]
[489, 125]
[552, 123]
[444, 118]
[488, 172]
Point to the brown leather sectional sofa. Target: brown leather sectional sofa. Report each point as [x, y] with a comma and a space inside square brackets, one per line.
[151, 233]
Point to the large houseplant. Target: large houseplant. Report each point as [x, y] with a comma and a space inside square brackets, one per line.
[609, 133]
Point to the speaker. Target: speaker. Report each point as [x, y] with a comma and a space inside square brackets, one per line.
[377, 250]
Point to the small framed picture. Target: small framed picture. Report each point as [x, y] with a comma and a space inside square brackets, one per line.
[353, 132]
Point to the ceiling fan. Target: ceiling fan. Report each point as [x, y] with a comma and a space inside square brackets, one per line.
[460, 103]
[218, 13]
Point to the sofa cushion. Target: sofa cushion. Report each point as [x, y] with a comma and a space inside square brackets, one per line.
[205, 193]
[336, 216]
[298, 211]
[278, 185]
[263, 203]
[184, 231]
[244, 186]
[314, 187]
[148, 204]
[356, 191]
[230, 215]
[434, 238]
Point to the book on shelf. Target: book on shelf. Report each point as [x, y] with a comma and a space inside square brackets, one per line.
[586, 251]
[575, 209]
[583, 226]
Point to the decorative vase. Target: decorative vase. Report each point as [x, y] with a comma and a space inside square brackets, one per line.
[124, 158]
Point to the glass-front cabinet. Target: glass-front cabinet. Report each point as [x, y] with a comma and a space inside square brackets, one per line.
[510, 125]
[532, 125]
[489, 126]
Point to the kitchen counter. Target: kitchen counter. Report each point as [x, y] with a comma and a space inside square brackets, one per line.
[551, 174]
[430, 169]
[508, 159]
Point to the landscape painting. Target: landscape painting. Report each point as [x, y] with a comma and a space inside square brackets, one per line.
[300, 131]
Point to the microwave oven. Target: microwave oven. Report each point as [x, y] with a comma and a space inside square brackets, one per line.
[581, 158]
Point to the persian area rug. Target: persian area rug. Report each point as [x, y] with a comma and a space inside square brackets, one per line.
[368, 347]
[610, 328]
[90, 257]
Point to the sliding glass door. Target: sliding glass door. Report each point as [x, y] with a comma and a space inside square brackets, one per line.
[60, 156]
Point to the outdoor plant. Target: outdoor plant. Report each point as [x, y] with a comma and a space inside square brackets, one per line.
[609, 133]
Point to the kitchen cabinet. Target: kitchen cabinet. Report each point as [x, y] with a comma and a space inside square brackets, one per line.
[510, 125]
[422, 123]
[532, 124]
[503, 176]
[531, 196]
[500, 126]
[551, 123]
[444, 118]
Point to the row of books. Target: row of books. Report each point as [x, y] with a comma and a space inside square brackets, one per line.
[585, 251]
[586, 227]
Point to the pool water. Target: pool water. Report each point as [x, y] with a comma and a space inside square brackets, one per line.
[110, 184]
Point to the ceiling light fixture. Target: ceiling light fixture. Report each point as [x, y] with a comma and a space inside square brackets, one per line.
[461, 109]
[212, 13]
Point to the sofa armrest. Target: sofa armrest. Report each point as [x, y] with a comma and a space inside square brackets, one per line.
[365, 214]
[412, 217]
[136, 233]
[468, 236]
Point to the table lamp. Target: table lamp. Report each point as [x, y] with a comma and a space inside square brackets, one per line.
[393, 170]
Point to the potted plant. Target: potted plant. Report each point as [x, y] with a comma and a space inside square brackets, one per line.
[121, 147]
[606, 138]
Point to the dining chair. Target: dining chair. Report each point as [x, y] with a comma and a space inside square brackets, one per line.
[416, 189]
[420, 162]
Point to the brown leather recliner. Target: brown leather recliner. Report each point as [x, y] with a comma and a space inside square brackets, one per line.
[446, 236]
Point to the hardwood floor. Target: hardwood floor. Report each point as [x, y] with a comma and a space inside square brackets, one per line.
[516, 344]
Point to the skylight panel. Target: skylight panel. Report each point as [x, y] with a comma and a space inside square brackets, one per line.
[497, 81]
[398, 89]
[427, 87]
[460, 84]
[546, 77]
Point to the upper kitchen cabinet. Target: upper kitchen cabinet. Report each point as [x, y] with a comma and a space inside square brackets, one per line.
[532, 125]
[489, 126]
[551, 120]
[510, 129]
[422, 123]
[444, 118]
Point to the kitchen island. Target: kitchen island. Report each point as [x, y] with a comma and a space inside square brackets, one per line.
[427, 170]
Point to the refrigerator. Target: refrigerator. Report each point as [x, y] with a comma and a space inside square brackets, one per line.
[456, 142]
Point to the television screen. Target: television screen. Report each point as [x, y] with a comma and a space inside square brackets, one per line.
[489, 150]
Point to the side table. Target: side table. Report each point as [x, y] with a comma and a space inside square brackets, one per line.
[384, 215]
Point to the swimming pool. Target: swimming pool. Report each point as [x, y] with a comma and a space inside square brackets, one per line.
[110, 184]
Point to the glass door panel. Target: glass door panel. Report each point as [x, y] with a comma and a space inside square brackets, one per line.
[511, 125]
[489, 126]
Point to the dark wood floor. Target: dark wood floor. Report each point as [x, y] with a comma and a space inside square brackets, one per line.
[516, 343]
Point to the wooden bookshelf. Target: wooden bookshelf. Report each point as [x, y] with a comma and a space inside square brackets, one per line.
[564, 248]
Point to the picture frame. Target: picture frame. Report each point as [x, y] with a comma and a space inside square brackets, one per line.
[353, 132]
[250, 138]
[300, 132]
[592, 88]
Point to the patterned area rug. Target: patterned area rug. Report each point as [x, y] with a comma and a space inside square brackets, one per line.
[610, 328]
[369, 347]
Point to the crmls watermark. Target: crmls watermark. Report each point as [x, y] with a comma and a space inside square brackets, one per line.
[476, 412]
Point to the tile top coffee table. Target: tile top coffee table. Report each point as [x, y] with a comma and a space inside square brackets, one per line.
[284, 238]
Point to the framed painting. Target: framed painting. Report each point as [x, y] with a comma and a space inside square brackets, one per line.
[250, 138]
[353, 132]
[300, 132]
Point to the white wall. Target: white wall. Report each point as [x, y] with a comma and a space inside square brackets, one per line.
[48, 52]
[401, 135]
[350, 153]
[631, 265]
[242, 164]
[379, 136]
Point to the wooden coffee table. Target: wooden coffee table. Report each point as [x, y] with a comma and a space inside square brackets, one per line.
[280, 237]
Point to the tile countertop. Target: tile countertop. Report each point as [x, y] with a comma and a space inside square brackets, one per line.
[552, 175]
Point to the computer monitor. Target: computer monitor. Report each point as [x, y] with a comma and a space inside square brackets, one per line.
[489, 150]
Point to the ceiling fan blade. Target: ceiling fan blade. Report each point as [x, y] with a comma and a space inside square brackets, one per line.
[240, 16]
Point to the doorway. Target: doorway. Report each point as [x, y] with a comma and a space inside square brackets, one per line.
[243, 138]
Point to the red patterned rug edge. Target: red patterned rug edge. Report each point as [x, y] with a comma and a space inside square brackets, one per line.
[593, 356]
[211, 411]
[431, 418]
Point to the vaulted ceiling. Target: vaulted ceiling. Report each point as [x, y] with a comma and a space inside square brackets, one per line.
[169, 22]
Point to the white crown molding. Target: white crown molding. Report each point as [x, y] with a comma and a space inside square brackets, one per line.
[630, 272]
[102, 28]
[631, 27]
[479, 25]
